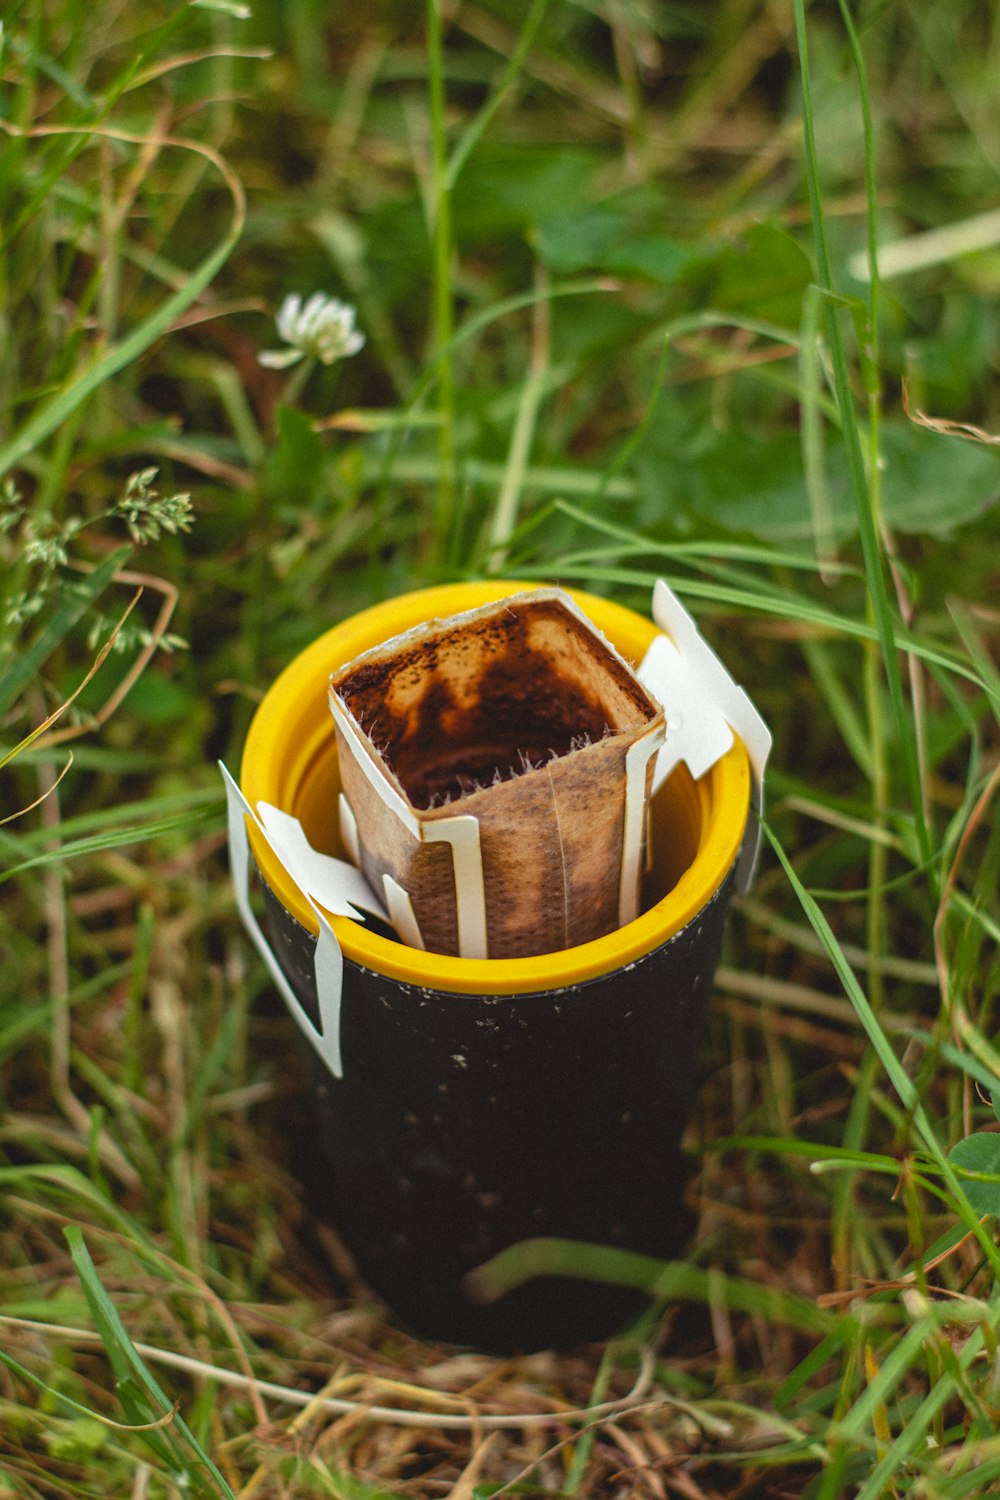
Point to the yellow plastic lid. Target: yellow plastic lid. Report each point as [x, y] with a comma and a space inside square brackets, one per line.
[290, 760]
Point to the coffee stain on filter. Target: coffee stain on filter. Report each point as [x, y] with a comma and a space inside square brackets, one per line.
[498, 767]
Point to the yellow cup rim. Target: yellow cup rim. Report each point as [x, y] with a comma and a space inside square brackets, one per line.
[293, 725]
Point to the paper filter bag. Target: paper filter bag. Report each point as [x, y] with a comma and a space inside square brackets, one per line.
[496, 769]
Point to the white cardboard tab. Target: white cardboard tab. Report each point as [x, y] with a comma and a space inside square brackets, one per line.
[703, 705]
[401, 912]
[697, 730]
[322, 880]
[337, 886]
[637, 758]
[462, 833]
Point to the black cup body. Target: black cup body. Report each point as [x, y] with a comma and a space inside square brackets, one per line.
[465, 1123]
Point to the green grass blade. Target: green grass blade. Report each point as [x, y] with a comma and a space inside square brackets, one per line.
[911, 1438]
[443, 302]
[813, 448]
[870, 545]
[897, 1074]
[24, 666]
[106, 818]
[141, 1395]
[117, 839]
[478, 124]
[879, 1390]
[76, 1408]
[666, 1280]
[59, 407]
[68, 1184]
[815, 1150]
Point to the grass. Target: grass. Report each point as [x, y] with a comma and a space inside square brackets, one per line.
[641, 287]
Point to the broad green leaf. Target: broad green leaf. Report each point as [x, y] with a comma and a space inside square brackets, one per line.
[515, 186]
[601, 239]
[296, 470]
[651, 256]
[755, 484]
[579, 239]
[766, 272]
[952, 361]
[979, 1154]
[158, 699]
[934, 483]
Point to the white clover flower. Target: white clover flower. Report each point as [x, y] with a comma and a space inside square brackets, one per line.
[323, 329]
